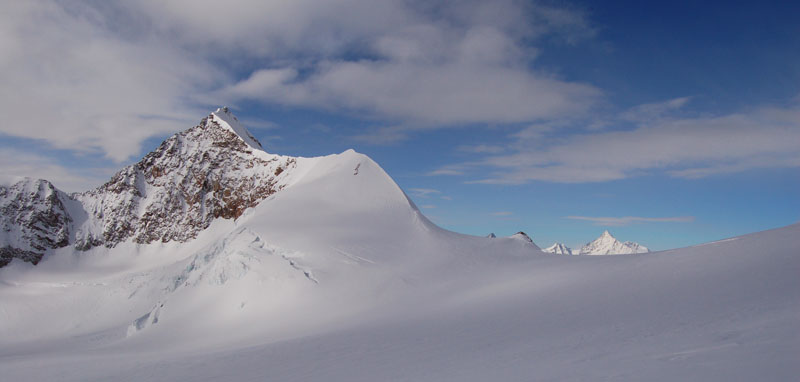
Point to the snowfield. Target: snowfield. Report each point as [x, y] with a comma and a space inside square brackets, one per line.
[339, 277]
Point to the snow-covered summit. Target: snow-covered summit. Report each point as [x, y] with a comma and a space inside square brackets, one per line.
[558, 249]
[524, 238]
[607, 244]
[33, 219]
[214, 170]
[225, 119]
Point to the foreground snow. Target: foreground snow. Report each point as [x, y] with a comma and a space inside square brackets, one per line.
[339, 277]
[725, 311]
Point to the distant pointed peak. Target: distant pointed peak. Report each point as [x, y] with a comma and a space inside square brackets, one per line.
[559, 249]
[522, 236]
[491, 235]
[607, 244]
[225, 118]
[28, 183]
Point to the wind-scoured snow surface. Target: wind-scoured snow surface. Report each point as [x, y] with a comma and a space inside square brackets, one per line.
[339, 277]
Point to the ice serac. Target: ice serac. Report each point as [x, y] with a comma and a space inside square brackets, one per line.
[33, 219]
[558, 249]
[607, 244]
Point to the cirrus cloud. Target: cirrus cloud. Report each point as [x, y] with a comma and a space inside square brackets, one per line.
[627, 220]
[680, 147]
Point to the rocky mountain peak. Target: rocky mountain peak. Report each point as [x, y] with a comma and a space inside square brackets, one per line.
[223, 118]
[213, 170]
[523, 237]
[33, 219]
[216, 169]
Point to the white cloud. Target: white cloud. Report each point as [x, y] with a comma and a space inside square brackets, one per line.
[423, 192]
[687, 147]
[446, 171]
[438, 93]
[70, 82]
[469, 63]
[482, 149]
[382, 136]
[627, 220]
[647, 113]
[16, 164]
[102, 77]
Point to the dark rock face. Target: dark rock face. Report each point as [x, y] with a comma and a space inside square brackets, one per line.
[173, 193]
[33, 219]
[9, 253]
[177, 190]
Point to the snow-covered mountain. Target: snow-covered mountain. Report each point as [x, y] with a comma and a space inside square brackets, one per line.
[211, 259]
[609, 245]
[524, 238]
[216, 169]
[34, 219]
[213, 170]
[558, 249]
[606, 244]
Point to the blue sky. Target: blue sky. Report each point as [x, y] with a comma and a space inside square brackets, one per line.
[669, 124]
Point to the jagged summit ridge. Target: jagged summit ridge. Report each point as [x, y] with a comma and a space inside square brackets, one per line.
[225, 119]
[215, 169]
[607, 244]
[206, 172]
[523, 237]
[33, 218]
[559, 249]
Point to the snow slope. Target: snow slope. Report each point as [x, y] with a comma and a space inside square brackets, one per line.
[724, 311]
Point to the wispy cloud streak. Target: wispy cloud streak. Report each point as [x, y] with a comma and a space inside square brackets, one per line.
[627, 220]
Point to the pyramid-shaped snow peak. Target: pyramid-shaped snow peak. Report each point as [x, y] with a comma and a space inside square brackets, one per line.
[214, 170]
[524, 238]
[607, 244]
[558, 249]
[225, 119]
